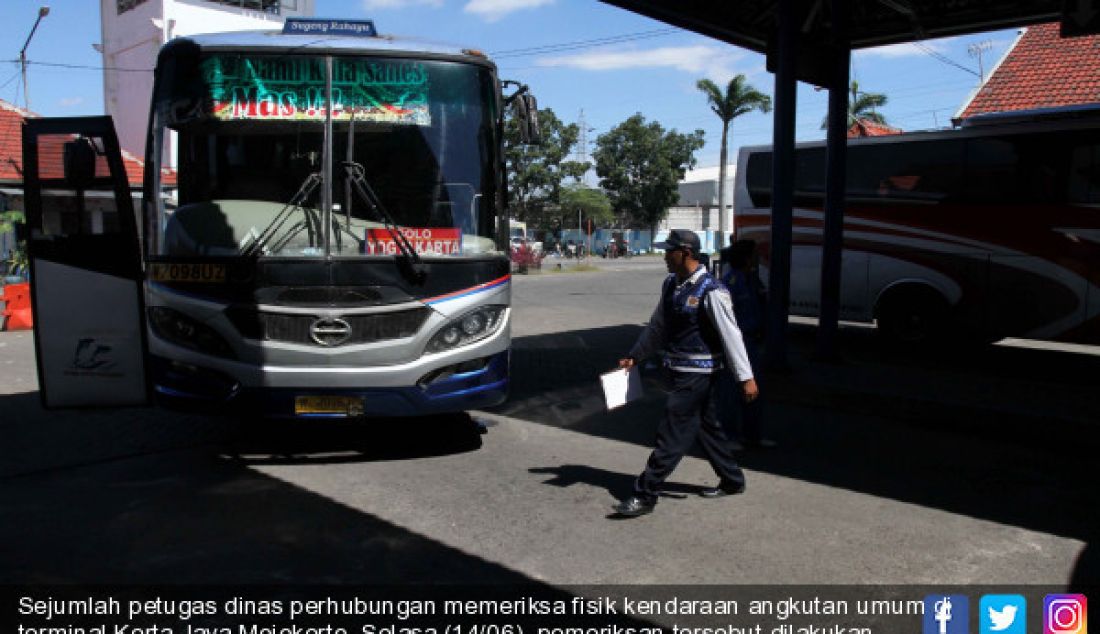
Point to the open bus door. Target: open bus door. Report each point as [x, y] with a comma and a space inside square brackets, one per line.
[86, 277]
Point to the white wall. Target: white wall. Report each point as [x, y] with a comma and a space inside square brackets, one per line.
[700, 185]
[692, 218]
[133, 39]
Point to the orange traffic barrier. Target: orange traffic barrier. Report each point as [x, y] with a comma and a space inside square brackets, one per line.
[17, 306]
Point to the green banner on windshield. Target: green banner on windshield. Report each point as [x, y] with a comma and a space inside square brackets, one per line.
[293, 88]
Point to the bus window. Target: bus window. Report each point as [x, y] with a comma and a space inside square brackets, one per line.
[809, 177]
[992, 170]
[758, 175]
[1084, 174]
[927, 171]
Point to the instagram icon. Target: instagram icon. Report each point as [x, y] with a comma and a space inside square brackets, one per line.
[1065, 614]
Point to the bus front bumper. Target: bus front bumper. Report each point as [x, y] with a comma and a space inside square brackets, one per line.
[469, 385]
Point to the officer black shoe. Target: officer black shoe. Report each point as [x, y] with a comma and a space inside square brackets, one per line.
[722, 490]
[634, 506]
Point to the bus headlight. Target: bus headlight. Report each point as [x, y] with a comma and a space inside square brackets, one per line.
[172, 325]
[473, 326]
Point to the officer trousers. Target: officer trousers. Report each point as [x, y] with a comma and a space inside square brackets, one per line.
[689, 414]
[740, 417]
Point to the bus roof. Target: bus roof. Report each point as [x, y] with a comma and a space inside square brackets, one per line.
[1033, 115]
[1077, 117]
[278, 42]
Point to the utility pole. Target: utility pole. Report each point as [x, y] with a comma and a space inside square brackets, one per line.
[582, 144]
[976, 50]
[42, 12]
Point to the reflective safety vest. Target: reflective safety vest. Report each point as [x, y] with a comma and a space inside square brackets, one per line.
[692, 343]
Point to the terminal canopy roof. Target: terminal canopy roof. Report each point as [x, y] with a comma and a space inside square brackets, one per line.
[751, 23]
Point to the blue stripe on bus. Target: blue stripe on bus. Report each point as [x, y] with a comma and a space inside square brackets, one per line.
[469, 291]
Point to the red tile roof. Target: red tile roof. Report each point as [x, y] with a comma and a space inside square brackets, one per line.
[1042, 70]
[50, 152]
[866, 127]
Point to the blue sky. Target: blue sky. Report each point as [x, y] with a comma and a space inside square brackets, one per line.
[651, 68]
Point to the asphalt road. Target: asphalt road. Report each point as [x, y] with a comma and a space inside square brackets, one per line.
[878, 486]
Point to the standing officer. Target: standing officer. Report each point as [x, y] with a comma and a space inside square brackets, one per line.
[742, 278]
[695, 326]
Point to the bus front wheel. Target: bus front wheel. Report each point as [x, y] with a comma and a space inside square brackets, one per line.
[913, 315]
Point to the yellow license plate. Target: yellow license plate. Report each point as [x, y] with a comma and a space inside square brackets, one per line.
[178, 272]
[332, 405]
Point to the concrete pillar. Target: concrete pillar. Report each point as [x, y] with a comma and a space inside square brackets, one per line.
[779, 274]
[836, 161]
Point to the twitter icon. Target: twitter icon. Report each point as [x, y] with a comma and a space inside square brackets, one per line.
[1002, 614]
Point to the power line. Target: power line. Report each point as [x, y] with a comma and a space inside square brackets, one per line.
[581, 44]
[943, 58]
[10, 80]
[85, 67]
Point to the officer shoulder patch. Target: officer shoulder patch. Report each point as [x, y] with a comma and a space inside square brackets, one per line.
[693, 301]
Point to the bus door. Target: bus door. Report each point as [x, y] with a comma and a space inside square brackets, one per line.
[86, 278]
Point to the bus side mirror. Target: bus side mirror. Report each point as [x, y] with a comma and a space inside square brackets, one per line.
[79, 160]
[527, 114]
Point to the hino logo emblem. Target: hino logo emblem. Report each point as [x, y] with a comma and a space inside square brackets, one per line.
[330, 331]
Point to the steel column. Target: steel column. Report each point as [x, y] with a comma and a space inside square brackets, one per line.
[836, 161]
[779, 261]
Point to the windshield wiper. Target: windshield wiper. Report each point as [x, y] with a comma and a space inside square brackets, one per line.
[273, 228]
[408, 261]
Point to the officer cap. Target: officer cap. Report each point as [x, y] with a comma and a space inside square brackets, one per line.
[679, 239]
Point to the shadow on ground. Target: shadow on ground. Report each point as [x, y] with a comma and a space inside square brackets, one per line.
[145, 495]
[875, 424]
[196, 519]
[261, 442]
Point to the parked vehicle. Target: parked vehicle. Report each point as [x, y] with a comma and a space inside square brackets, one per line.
[984, 232]
[336, 250]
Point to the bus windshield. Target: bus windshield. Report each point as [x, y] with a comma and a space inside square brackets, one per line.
[412, 141]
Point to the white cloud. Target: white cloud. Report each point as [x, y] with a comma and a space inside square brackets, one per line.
[493, 10]
[372, 5]
[69, 102]
[713, 62]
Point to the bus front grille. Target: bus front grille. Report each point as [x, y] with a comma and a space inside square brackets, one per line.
[327, 330]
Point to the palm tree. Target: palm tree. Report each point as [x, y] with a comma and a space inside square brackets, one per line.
[740, 98]
[861, 105]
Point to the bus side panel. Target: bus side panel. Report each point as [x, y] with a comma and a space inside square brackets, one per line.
[806, 280]
[1032, 297]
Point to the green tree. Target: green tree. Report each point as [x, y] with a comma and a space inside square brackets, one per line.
[739, 98]
[862, 105]
[640, 165]
[536, 172]
[591, 204]
[8, 220]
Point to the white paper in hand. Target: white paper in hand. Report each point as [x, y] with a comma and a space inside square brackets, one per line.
[620, 387]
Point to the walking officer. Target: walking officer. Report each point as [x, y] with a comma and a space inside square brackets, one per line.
[695, 327]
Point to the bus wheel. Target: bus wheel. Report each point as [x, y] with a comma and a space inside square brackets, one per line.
[913, 315]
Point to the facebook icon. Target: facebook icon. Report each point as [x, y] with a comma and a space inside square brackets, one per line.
[946, 614]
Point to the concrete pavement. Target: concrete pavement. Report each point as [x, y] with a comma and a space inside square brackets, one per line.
[878, 480]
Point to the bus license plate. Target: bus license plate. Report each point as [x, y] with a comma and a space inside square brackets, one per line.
[332, 405]
[175, 272]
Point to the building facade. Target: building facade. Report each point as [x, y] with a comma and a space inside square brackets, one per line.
[697, 208]
[133, 31]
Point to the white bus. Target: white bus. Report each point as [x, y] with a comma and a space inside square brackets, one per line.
[987, 231]
[323, 232]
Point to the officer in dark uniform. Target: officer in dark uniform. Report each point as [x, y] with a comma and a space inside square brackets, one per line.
[742, 278]
[695, 326]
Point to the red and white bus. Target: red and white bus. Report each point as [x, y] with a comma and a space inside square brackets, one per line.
[987, 231]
